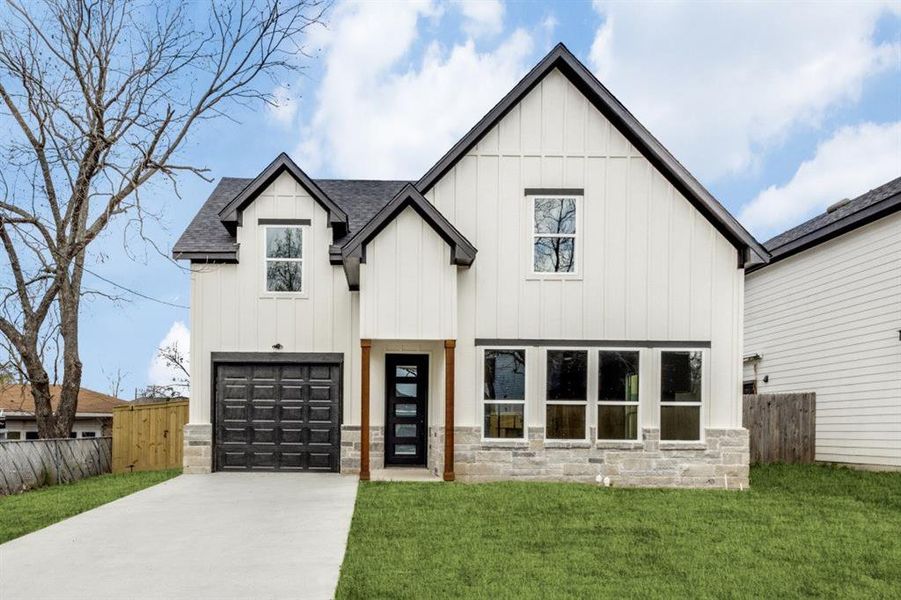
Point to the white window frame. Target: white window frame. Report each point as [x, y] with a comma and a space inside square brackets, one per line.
[302, 260]
[598, 402]
[576, 273]
[584, 403]
[483, 401]
[705, 357]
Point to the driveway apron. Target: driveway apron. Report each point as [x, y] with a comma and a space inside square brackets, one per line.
[218, 536]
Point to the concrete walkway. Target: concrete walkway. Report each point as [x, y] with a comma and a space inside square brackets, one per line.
[220, 536]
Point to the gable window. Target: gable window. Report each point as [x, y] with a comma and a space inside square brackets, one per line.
[618, 395]
[284, 258]
[554, 226]
[680, 395]
[504, 394]
[567, 395]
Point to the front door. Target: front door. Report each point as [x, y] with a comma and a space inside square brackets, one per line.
[406, 403]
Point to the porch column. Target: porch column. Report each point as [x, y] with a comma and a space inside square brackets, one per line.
[449, 346]
[365, 346]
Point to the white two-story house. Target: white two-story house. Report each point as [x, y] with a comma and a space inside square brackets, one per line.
[557, 298]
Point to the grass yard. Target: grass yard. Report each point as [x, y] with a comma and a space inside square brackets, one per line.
[29, 511]
[799, 531]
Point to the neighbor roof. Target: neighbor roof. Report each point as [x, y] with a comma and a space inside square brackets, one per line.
[847, 216]
[17, 398]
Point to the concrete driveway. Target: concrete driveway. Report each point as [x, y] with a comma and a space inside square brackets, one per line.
[225, 535]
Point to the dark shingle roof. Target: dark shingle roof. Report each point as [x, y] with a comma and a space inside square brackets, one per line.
[875, 204]
[360, 199]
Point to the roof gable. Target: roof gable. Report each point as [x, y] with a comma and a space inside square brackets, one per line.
[230, 214]
[353, 253]
[562, 59]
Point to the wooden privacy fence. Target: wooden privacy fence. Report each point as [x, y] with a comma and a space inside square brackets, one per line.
[782, 427]
[148, 437]
[29, 464]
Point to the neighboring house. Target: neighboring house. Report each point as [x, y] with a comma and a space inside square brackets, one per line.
[825, 316]
[93, 417]
[557, 286]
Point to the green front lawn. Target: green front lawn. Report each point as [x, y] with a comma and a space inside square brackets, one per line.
[26, 512]
[799, 531]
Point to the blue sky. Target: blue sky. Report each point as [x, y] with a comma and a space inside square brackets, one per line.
[779, 109]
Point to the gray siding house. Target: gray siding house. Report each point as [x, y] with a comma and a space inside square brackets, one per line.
[825, 316]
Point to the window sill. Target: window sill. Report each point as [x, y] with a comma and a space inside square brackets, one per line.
[552, 277]
[501, 444]
[619, 445]
[284, 295]
[683, 446]
[564, 444]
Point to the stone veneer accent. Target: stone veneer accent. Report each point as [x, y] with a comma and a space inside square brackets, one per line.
[198, 448]
[721, 460]
[350, 448]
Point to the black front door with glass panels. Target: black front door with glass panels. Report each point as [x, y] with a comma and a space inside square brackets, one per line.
[406, 403]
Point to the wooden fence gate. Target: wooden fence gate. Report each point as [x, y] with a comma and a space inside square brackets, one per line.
[148, 437]
[782, 427]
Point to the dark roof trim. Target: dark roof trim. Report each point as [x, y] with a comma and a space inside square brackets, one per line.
[231, 213]
[865, 216]
[354, 251]
[561, 58]
[555, 191]
[513, 342]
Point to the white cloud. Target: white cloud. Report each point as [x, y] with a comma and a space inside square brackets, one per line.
[853, 161]
[285, 106]
[158, 373]
[482, 17]
[721, 83]
[380, 111]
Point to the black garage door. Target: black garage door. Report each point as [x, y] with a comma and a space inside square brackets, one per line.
[278, 417]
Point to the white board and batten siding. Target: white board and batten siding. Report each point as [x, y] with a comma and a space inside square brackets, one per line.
[651, 266]
[408, 286]
[232, 312]
[827, 320]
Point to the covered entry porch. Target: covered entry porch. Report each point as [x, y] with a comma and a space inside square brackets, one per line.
[406, 407]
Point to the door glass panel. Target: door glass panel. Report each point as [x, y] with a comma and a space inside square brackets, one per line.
[405, 371]
[404, 430]
[405, 390]
[405, 410]
[405, 449]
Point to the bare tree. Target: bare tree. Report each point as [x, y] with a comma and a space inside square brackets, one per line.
[99, 97]
[116, 381]
[175, 359]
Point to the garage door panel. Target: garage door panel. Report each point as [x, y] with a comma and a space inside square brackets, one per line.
[278, 417]
[292, 392]
[321, 461]
[263, 412]
[325, 437]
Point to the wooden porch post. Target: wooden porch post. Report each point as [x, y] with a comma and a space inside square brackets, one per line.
[365, 346]
[449, 346]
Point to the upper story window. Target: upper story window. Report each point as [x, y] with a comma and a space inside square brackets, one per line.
[680, 395]
[284, 258]
[554, 234]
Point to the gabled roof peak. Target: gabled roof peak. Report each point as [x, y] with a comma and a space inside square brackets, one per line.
[562, 59]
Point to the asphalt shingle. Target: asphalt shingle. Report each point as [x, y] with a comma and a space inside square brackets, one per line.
[360, 199]
[819, 222]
